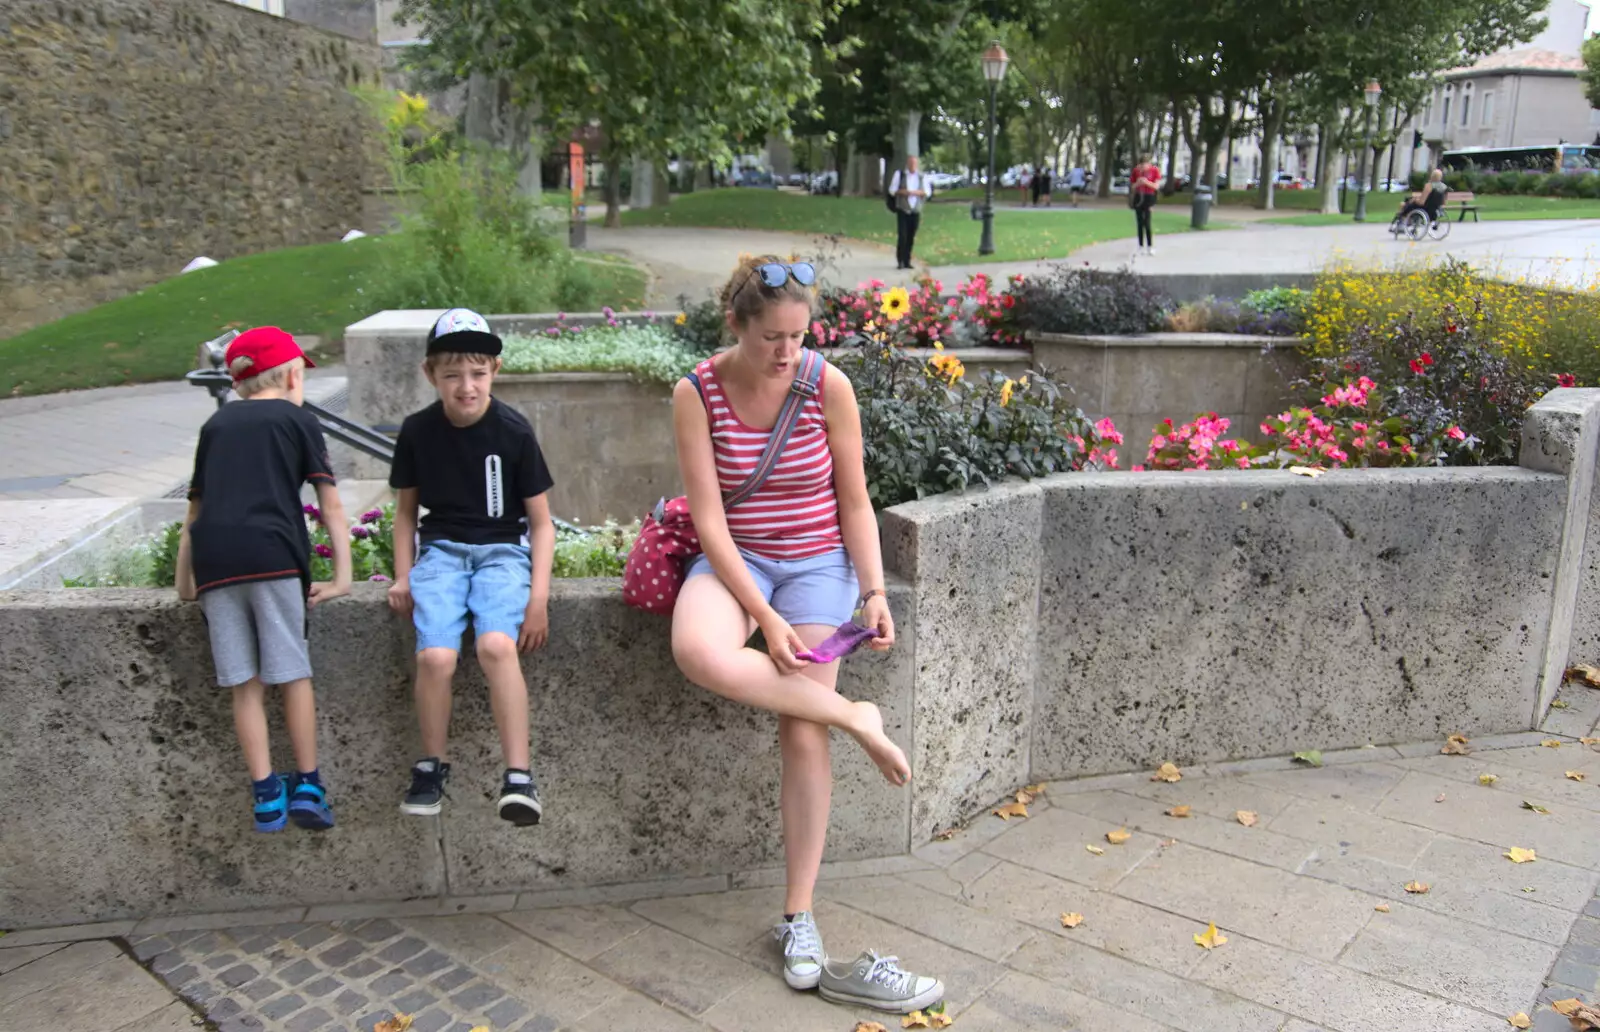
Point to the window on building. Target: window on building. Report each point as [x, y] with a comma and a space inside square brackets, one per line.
[1445, 121]
[1466, 105]
[1487, 104]
[1427, 110]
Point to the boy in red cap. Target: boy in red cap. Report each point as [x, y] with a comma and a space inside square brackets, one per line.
[246, 555]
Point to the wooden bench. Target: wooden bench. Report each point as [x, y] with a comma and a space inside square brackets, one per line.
[1464, 202]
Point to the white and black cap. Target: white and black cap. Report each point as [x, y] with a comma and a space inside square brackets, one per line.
[462, 331]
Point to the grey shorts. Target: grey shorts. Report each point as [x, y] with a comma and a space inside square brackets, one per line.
[258, 629]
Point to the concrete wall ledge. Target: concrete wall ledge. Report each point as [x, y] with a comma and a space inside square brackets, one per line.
[1167, 340]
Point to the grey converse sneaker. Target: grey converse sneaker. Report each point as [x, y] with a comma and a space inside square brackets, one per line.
[878, 982]
[802, 951]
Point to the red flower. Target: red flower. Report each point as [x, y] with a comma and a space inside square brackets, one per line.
[1449, 327]
[1566, 380]
[1427, 359]
[1417, 367]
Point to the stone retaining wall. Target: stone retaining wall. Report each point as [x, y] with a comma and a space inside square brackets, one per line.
[1086, 623]
[137, 134]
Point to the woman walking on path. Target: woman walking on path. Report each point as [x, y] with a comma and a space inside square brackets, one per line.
[1142, 188]
[795, 559]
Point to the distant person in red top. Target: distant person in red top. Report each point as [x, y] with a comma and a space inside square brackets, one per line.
[1143, 186]
[796, 560]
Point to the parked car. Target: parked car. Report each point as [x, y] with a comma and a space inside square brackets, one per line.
[797, 179]
[945, 180]
[1119, 185]
[757, 177]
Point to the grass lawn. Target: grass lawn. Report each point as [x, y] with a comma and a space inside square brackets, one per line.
[1495, 207]
[152, 335]
[948, 235]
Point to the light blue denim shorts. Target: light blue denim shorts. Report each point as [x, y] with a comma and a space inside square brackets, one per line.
[822, 590]
[451, 580]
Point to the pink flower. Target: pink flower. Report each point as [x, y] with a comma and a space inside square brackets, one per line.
[1336, 454]
[324, 551]
[1267, 430]
[1455, 434]
[1243, 462]
[1566, 380]
[1137, 469]
[1383, 445]
[360, 533]
[1158, 442]
[1359, 428]
[372, 516]
[378, 578]
[1108, 430]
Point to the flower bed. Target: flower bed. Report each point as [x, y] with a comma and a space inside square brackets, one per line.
[580, 552]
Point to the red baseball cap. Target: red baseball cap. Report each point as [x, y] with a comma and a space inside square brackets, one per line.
[267, 347]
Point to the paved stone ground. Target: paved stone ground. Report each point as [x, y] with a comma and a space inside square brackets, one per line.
[1322, 934]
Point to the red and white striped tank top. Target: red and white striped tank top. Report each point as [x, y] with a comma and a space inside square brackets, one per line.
[795, 514]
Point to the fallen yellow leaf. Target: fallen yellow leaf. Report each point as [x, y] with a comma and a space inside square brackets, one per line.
[1382, 908]
[1455, 745]
[940, 1020]
[1589, 741]
[1520, 1020]
[1576, 775]
[1179, 811]
[1567, 1006]
[1417, 888]
[1587, 674]
[1578, 1011]
[1096, 850]
[1246, 817]
[1168, 772]
[1071, 920]
[1034, 789]
[1551, 743]
[916, 1019]
[868, 1026]
[1518, 855]
[1023, 796]
[946, 834]
[1488, 779]
[1307, 471]
[1535, 807]
[398, 1023]
[1210, 938]
[1167, 842]
[480, 1028]
[1118, 837]
[1010, 810]
[1559, 704]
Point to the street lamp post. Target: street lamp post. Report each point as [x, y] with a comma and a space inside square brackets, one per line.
[1373, 92]
[994, 69]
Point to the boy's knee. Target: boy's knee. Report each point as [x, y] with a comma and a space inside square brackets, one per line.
[496, 648]
[439, 662]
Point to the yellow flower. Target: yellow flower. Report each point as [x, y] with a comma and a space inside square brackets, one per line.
[682, 318]
[1023, 383]
[948, 367]
[938, 345]
[896, 303]
[1005, 392]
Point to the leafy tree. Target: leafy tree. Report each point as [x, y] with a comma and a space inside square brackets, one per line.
[656, 76]
[1591, 72]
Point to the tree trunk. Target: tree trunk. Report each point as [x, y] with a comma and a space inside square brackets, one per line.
[908, 141]
[613, 162]
[1172, 149]
[850, 179]
[642, 193]
[1106, 169]
[1330, 189]
[1271, 129]
[496, 117]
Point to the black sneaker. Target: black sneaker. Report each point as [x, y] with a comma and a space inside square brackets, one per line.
[426, 795]
[519, 800]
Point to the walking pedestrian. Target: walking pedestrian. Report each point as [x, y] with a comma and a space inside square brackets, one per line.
[1077, 182]
[1024, 184]
[1143, 186]
[909, 190]
[1046, 180]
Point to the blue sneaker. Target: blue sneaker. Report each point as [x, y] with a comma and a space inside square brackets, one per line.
[308, 805]
[273, 814]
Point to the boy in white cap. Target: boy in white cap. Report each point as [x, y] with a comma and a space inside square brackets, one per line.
[487, 544]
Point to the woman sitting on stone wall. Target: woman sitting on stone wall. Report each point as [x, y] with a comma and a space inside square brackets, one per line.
[795, 559]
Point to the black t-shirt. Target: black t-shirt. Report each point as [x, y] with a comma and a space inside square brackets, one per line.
[248, 467]
[473, 480]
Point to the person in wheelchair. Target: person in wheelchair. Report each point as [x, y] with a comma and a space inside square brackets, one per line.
[1429, 200]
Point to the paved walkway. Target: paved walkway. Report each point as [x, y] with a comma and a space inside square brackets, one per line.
[1322, 933]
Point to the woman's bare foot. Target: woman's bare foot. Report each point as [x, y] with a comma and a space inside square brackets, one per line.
[868, 731]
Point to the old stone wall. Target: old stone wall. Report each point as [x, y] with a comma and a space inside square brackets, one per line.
[137, 134]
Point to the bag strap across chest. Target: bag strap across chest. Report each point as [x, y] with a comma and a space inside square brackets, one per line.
[803, 389]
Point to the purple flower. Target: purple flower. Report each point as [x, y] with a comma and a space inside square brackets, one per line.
[325, 551]
[607, 312]
[360, 533]
[554, 331]
[651, 316]
[378, 578]
[372, 516]
[561, 317]
[314, 513]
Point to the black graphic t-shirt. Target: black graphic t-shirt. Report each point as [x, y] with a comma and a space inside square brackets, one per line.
[473, 480]
[248, 467]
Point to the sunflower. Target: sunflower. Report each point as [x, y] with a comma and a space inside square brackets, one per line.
[1006, 390]
[682, 318]
[896, 303]
[947, 367]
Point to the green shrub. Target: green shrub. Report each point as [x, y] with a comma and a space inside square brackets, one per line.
[702, 325]
[1068, 300]
[151, 563]
[476, 241]
[648, 351]
[594, 551]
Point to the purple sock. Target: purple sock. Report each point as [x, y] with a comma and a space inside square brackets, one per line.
[849, 637]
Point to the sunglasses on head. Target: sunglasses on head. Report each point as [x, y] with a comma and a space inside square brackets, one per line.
[776, 274]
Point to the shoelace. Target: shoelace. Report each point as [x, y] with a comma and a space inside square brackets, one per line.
[422, 779]
[801, 938]
[886, 972]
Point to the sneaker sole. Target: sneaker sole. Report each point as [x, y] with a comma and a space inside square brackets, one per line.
[520, 810]
[906, 1006]
[270, 826]
[421, 809]
[802, 981]
[311, 817]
